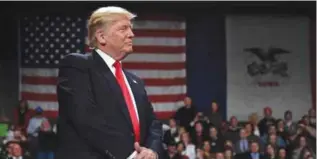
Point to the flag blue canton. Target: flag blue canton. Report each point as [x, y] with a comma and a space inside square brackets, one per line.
[45, 40]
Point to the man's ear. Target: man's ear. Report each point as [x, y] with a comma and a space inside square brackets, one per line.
[101, 36]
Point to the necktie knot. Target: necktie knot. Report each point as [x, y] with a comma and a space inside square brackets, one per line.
[117, 65]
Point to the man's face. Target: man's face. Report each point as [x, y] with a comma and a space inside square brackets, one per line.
[242, 133]
[288, 116]
[272, 139]
[248, 128]
[213, 132]
[214, 106]
[180, 147]
[187, 101]
[118, 38]
[171, 149]
[270, 150]
[272, 129]
[185, 137]
[282, 153]
[198, 127]
[254, 147]
[16, 150]
[172, 123]
[302, 141]
[234, 122]
[207, 146]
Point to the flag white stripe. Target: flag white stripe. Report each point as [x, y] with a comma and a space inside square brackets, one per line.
[158, 107]
[41, 72]
[158, 41]
[165, 90]
[151, 90]
[48, 106]
[38, 88]
[159, 57]
[160, 74]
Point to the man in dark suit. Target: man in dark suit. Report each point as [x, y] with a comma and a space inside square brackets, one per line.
[15, 151]
[252, 154]
[104, 112]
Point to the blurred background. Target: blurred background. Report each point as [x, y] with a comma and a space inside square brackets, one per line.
[228, 67]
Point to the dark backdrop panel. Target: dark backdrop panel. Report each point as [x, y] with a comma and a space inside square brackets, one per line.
[313, 59]
[9, 74]
[206, 61]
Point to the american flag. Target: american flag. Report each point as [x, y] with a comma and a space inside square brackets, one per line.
[158, 58]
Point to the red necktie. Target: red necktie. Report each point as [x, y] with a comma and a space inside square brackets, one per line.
[128, 100]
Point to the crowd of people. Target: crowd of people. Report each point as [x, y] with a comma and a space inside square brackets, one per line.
[30, 135]
[205, 135]
[188, 135]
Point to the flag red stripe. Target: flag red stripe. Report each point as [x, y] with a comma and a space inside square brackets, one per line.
[47, 113]
[37, 80]
[165, 115]
[160, 115]
[154, 65]
[39, 96]
[154, 49]
[53, 97]
[159, 33]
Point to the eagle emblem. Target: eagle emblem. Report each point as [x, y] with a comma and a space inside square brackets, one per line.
[269, 63]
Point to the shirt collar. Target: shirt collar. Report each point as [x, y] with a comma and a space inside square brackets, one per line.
[108, 59]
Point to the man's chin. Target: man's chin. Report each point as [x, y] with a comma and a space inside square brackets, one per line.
[128, 51]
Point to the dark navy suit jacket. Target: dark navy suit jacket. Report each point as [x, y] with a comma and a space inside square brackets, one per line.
[94, 121]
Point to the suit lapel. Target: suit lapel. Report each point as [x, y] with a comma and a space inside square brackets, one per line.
[138, 101]
[113, 85]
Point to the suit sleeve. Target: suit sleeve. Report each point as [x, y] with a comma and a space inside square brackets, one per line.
[154, 139]
[76, 102]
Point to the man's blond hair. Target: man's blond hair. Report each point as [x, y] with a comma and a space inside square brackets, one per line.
[102, 18]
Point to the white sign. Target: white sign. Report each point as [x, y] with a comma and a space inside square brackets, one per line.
[268, 65]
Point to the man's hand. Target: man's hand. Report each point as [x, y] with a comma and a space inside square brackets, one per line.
[144, 153]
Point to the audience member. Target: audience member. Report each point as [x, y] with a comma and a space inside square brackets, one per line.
[266, 121]
[186, 114]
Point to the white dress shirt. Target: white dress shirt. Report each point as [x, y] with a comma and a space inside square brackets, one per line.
[17, 157]
[256, 131]
[34, 125]
[190, 151]
[110, 61]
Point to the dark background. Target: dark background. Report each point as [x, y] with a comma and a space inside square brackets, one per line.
[203, 18]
